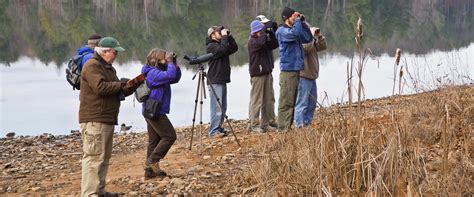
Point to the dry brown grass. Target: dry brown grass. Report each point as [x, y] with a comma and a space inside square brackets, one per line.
[407, 150]
[402, 146]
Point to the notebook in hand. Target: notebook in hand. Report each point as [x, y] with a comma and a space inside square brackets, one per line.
[137, 80]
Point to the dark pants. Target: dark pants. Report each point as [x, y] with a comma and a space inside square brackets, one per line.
[161, 136]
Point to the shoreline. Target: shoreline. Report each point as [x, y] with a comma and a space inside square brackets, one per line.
[346, 103]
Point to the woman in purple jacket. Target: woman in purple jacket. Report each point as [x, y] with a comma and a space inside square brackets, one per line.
[161, 71]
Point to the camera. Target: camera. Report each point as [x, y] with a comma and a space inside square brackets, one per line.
[199, 59]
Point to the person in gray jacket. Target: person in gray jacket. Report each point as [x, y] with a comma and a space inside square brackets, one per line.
[307, 90]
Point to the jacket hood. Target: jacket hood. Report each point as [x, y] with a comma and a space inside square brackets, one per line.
[84, 49]
[146, 68]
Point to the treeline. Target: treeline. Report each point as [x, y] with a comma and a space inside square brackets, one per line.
[52, 30]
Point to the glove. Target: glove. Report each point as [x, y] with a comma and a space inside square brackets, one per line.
[225, 32]
[125, 85]
[121, 96]
[124, 81]
[127, 90]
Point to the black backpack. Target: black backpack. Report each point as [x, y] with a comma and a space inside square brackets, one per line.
[73, 71]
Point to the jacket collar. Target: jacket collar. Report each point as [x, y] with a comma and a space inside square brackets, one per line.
[209, 40]
[285, 25]
[101, 60]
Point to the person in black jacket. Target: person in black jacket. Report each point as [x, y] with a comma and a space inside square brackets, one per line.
[220, 43]
[262, 100]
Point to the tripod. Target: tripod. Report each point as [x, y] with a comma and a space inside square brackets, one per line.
[200, 93]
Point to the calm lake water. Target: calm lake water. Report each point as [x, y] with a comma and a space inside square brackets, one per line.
[39, 36]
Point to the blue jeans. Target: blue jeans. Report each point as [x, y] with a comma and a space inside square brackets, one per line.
[217, 115]
[305, 102]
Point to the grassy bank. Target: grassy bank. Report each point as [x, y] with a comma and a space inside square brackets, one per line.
[400, 146]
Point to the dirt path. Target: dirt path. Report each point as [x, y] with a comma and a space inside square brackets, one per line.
[189, 171]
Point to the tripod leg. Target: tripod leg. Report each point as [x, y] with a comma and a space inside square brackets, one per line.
[203, 94]
[203, 85]
[194, 116]
[224, 114]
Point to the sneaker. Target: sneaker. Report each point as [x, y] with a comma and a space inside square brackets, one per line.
[154, 168]
[223, 132]
[268, 128]
[273, 124]
[257, 130]
[217, 135]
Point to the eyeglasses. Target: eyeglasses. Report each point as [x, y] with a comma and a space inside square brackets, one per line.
[113, 51]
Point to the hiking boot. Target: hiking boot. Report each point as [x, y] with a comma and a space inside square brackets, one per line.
[149, 174]
[273, 124]
[111, 194]
[155, 169]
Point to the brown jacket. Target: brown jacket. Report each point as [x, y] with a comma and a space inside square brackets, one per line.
[100, 90]
[311, 60]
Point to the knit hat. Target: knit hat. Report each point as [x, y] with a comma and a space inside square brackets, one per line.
[256, 26]
[213, 29]
[109, 42]
[93, 40]
[286, 13]
[262, 18]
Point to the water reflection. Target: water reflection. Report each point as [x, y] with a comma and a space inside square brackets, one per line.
[43, 102]
[52, 30]
[37, 37]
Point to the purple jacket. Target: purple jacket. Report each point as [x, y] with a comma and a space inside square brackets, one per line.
[159, 82]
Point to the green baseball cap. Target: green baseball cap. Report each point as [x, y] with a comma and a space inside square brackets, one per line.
[110, 42]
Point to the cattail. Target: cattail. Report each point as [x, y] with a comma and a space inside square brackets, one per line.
[400, 77]
[401, 72]
[398, 56]
[360, 33]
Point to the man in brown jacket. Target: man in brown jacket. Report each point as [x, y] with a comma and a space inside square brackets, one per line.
[307, 90]
[100, 96]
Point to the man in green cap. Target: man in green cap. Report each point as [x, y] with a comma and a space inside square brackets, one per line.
[100, 96]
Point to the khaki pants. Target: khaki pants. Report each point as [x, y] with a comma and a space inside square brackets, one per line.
[286, 103]
[97, 139]
[262, 101]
